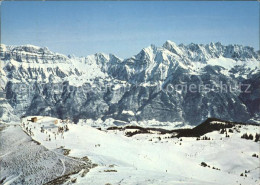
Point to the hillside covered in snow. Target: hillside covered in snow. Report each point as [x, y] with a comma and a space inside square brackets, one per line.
[214, 152]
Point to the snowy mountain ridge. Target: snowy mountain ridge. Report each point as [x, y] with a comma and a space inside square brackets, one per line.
[171, 64]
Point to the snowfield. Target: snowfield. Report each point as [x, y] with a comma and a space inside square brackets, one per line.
[153, 158]
[24, 161]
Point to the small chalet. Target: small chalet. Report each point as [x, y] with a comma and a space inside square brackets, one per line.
[34, 119]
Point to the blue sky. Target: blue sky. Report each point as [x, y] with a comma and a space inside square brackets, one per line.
[124, 28]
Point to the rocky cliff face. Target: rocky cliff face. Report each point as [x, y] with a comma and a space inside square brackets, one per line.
[184, 83]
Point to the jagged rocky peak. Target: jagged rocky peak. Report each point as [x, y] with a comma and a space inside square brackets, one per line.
[102, 56]
[154, 53]
[31, 54]
[239, 52]
[113, 57]
[146, 53]
[171, 46]
[102, 60]
[33, 49]
[30, 49]
[202, 53]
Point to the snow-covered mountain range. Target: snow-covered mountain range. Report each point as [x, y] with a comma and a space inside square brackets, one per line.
[172, 83]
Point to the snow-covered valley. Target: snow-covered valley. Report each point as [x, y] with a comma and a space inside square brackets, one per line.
[222, 157]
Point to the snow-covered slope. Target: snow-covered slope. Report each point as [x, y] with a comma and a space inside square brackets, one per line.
[24, 161]
[147, 86]
[153, 158]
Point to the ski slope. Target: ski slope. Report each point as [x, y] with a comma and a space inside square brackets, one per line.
[155, 158]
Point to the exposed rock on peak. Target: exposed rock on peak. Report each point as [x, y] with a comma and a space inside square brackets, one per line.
[148, 86]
